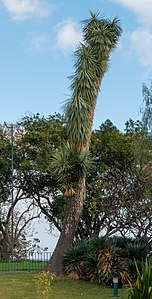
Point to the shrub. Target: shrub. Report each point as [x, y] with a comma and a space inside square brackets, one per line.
[74, 258]
[137, 250]
[142, 289]
[105, 266]
[98, 243]
[100, 259]
[43, 281]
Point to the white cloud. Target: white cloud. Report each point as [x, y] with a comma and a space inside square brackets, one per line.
[24, 9]
[141, 37]
[143, 9]
[68, 35]
[142, 45]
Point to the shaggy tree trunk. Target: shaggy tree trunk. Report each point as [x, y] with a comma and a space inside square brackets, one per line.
[73, 212]
[100, 37]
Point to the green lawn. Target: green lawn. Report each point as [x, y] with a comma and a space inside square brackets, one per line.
[22, 286]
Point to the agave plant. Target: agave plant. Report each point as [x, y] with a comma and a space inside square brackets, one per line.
[137, 250]
[102, 267]
[74, 258]
[119, 244]
[91, 266]
[142, 289]
[68, 164]
[111, 264]
[98, 243]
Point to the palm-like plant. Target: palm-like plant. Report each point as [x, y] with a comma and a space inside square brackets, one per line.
[98, 243]
[105, 266]
[100, 37]
[67, 165]
[142, 289]
[74, 258]
[92, 57]
[137, 249]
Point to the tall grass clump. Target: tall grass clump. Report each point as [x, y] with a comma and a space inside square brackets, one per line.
[142, 288]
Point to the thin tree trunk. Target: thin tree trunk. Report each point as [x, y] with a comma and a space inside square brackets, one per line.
[73, 212]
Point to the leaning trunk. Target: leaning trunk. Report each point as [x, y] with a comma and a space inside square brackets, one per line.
[72, 216]
[100, 37]
[73, 212]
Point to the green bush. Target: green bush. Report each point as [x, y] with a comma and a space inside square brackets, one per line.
[97, 244]
[142, 288]
[106, 265]
[74, 258]
[100, 259]
[138, 249]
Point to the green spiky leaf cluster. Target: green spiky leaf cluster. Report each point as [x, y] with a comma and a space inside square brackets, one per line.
[68, 165]
[142, 289]
[100, 37]
[100, 259]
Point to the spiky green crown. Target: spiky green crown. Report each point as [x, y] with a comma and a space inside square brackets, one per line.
[100, 37]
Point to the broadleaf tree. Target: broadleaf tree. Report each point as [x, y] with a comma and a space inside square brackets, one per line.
[34, 138]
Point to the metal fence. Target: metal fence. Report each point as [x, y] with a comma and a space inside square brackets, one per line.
[30, 261]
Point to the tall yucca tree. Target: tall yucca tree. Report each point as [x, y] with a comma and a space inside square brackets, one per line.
[100, 37]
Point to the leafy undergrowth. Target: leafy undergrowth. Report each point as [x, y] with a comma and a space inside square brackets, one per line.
[22, 286]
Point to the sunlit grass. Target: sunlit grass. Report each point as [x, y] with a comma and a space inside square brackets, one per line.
[22, 286]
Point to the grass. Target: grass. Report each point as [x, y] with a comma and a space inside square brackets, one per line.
[22, 286]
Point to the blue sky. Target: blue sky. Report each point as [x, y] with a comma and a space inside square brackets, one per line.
[37, 40]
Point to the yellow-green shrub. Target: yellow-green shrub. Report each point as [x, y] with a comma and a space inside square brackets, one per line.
[43, 281]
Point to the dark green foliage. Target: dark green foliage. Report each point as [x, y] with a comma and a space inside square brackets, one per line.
[147, 108]
[5, 166]
[119, 244]
[74, 258]
[131, 249]
[91, 264]
[68, 165]
[100, 259]
[97, 244]
[38, 138]
[112, 147]
[100, 37]
[142, 288]
[104, 263]
[138, 249]
[57, 208]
